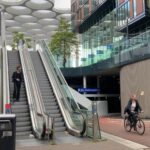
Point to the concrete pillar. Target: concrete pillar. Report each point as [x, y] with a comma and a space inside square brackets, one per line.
[2, 42]
[84, 83]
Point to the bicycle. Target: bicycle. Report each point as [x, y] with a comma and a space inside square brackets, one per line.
[138, 126]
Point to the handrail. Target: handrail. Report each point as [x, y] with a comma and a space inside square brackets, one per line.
[62, 97]
[5, 77]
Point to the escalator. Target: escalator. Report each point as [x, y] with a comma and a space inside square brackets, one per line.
[47, 93]
[56, 96]
[21, 108]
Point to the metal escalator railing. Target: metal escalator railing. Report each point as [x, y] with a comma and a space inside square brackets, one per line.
[73, 116]
[39, 119]
[5, 77]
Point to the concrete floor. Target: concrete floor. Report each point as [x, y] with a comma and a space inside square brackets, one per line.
[64, 141]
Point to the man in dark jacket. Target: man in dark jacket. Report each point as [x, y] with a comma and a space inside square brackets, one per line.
[17, 79]
[132, 107]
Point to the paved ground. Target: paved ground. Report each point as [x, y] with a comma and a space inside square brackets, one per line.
[104, 145]
[64, 141]
[116, 139]
[115, 126]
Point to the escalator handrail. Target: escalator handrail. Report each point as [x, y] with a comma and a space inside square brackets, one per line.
[84, 122]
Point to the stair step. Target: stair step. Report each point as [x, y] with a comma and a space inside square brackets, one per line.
[21, 103]
[19, 106]
[20, 110]
[58, 115]
[51, 103]
[27, 114]
[21, 129]
[59, 129]
[52, 111]
[58, 119]
[23, 119]
[50, 100]
[25, 133]
[59, 124]
[23, 124]
[51, 107]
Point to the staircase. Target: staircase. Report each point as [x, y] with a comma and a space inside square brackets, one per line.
[21, 108]
[47, 93]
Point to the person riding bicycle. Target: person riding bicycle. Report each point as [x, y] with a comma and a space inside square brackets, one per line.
[133, 107]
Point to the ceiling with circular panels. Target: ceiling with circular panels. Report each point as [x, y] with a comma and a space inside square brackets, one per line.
[37, 19]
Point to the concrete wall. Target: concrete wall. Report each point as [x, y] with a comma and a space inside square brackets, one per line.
[135, 78]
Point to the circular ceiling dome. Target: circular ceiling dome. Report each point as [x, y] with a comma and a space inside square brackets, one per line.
[50, 28]
[48, 22]
[12, 23]
[25, 18]
[44, 14]
[32, 26]
[18, 10]
[12, 1]
[8, 16]
[15, 29]
[39, 4]
[35, 31]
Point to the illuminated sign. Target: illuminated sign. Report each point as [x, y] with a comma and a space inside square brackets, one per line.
[89, 90]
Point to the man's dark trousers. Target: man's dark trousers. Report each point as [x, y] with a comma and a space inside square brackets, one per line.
[16, 93]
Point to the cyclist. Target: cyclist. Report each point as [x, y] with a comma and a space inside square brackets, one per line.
[133, 107]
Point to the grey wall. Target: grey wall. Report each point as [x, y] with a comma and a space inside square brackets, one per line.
[135, 78]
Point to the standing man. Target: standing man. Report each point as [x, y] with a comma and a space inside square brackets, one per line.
[17, 79]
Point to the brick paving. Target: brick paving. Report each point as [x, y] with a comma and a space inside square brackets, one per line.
[115, 126]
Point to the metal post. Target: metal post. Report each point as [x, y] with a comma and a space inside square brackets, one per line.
[96, 125]
[127, 36]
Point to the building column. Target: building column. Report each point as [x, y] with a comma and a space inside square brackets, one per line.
[0, 79]
[84, 83]
[98, 82]
[3, 44]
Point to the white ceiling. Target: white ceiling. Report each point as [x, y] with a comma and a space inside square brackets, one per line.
[35, 18]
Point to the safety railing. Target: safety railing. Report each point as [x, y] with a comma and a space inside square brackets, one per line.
[72, 115]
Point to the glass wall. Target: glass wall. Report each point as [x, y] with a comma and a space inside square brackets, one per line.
[97, 41]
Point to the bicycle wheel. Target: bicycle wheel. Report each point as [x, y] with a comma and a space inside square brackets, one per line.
[140, 127]
[127, 125]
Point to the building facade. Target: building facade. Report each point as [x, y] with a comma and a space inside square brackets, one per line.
[115, 34]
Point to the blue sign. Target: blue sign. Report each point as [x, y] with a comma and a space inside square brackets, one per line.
[90, 90]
